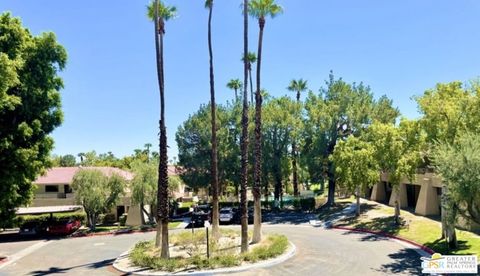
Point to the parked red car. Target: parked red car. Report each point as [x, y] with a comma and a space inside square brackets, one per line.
[64, 227]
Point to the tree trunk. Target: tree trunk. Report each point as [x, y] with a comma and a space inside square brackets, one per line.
[397, 206]
[295, 157]
[358, 200]
[331, 185]
[162, 194]
[251, 84]
[448, 219]
[158, 235]
[236, 95]
[294, 168]
[214, 162]
[257, 173]
[93, 220]
[142, 213]
[244, 137]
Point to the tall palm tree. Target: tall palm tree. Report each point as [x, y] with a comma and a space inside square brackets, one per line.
[259, 9]
[159, 13]
[251, 59]
[214, 161]
[244, 137]
[235, 84]
[297, 86]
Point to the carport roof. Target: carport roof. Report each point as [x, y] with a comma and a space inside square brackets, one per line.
[47, 209]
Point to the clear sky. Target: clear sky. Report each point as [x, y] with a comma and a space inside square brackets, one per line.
[111, 102]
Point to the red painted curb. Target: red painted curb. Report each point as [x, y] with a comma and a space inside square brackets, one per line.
[380, 233]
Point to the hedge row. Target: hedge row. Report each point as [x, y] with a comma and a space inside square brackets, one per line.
[20, 220]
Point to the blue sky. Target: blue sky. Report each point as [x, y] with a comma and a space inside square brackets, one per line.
[110, 100]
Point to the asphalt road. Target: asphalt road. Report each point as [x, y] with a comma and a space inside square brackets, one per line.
[319, 252]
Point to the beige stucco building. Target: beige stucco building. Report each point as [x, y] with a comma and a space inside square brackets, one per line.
[421, 195]
[54, 189]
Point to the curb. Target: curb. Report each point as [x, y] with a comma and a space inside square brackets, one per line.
[262, 264]
[117, 233]
[380, 233]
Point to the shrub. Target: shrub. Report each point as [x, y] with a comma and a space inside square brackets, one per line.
[122, 220]
[307, 204]
[44, 218]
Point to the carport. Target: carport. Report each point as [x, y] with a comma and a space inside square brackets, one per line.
[47, 210]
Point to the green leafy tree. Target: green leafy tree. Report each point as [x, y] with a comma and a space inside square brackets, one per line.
[159, 13]
[337, 112]
[259, 9]
[449, 110]
[356, 167]
[297, 86]
[459, 166]
[30, 109]
[235, 85]
[96, 192]
[144, 187]
[399, 151]
[68, 161]
[279, 117]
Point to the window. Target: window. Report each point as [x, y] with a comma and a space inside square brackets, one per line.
[51, 188]
[67, 189]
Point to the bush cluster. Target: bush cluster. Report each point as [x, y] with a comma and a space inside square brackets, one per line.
[39, 219]
[304, 204]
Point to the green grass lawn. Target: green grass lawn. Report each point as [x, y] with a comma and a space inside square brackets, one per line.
[186, 204]
[423, 230]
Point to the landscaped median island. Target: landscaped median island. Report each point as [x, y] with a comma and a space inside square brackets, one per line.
[188, 252]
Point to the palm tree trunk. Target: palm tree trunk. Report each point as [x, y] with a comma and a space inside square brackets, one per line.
[244, 138]
[236, 95]
[294, 168]
[257, 173]
[251, 82]
[214, 162]
[162, 194]
[295, 156]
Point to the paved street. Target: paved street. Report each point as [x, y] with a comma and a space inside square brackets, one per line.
[319, 252]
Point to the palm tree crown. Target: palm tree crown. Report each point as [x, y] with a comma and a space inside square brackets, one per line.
[298, 86]
[234, 84]
[208, 3]
[165, 13]
[263, 8]
[251, 58]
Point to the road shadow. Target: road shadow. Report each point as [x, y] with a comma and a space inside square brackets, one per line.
[16, 237]
[326, 213]
[58, 270]
[404, 261]
[287, 217]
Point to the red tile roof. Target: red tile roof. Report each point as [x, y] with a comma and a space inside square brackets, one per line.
[63, 175]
